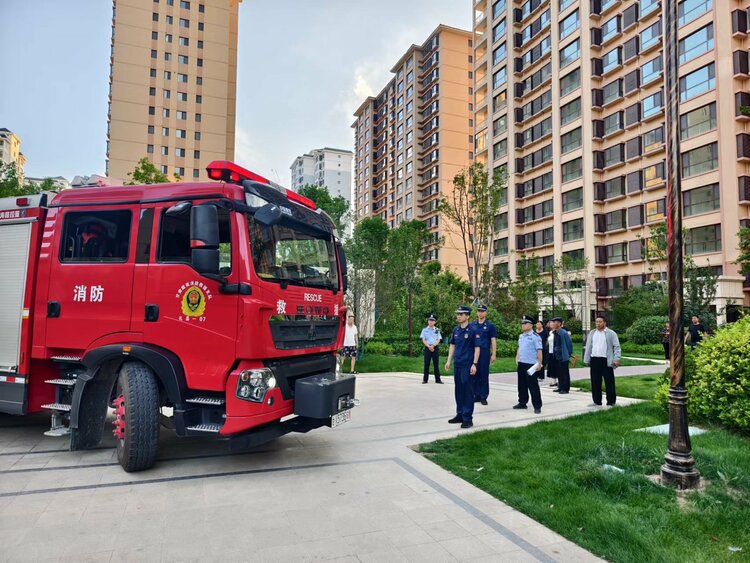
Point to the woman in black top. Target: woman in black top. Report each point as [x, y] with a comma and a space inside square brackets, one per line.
[543, 333]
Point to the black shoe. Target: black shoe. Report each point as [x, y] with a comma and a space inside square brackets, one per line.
[467, 424]
[477, 400]
[484, 401]
[424, 383]
[439, 382]
[455, 420]
[563, 392]
[537, 411]
[519, 406]
[555, 390]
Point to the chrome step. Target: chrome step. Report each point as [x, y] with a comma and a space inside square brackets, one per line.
[62, 407]
[207, 428]
[66, 382]
[216, 401]
[66, 358]
[58, 432]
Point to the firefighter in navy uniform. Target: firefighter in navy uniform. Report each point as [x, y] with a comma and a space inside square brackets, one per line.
[465, 355]
[486, 336]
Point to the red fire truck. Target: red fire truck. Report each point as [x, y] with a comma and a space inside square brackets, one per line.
[211, 308]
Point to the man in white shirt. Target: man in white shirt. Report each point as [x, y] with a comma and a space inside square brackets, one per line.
[351, 336]
[603, 355]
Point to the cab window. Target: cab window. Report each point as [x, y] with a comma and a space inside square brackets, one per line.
[96, 236]
[174, 240]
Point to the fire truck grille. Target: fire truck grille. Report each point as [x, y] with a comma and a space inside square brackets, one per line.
[304, 333]
[289, 370]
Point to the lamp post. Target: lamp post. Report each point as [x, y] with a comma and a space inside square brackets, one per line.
[679, 466]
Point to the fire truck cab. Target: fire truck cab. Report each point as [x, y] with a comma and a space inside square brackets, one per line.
[211, 308]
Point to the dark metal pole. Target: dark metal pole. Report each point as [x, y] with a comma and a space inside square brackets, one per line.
[553, 290]
[410, 323]
[679, 466]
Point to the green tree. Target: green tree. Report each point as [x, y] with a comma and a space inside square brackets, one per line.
[649, 300]
[337, 207]
[517, 297]
[11, 185]
[146, 172]
[572, 278]
[470, 209]
[743, 260]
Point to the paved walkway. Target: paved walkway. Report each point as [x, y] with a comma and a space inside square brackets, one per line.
[355, 493]
[583, 373]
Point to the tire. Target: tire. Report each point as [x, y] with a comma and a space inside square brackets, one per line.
[137, 416]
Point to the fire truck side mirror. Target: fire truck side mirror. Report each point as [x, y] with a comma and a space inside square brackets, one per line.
[342, 266]
[268, 215]
[178, 209]
[204, 239]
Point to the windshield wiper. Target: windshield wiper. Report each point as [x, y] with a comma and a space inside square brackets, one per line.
[294, 281]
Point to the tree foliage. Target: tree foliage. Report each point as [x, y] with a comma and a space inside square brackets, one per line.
[743, 260]
[145, 172]
[337, 207]
[649, 300]
[470, 209]
[12, 186]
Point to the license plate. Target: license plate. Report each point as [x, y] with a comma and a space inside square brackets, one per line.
[341, 418]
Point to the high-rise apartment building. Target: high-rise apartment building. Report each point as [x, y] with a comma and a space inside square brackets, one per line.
[327, 167]
[10, 150]
[415, 136]
[172, 97]
[569, 101]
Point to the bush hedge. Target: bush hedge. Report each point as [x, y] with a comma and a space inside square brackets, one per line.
[629, 349]
[718, 378]
[646, 330]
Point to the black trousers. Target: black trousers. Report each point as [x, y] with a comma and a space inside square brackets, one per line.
[562, 373]
[528, 384]
[433, 357]
[600, 369]
[540, 373]
[666, 350]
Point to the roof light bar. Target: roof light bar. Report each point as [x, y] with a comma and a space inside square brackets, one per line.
[226, 171]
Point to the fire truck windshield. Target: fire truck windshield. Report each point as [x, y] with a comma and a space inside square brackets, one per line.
[285, 254]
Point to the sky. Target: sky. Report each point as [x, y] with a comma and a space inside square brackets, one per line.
[304, 66]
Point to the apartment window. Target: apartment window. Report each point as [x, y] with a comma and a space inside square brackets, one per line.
[696, 44]
[612, 59]
[615, 220]
[652, 104]
[498, 31]
[651, 71]
[564, 4]
[201, 8]
[167, 75]
[180, 133]
[199, 80]
[569, 24]
[698, 121]
[701, 200]
[200, 62]
[165, 112]
[612, 91]
[165, 151]
[572, 170]
[184, 23]
[498, 8]
[617, 253]
[182, 59]
[499, 101]
[166, 94]
[570, 53]
[570, 82]
[614, 155]
[613, 122]
[501, 221]
[151, 110]
[655, 210]
[165, 131]
[179, 152]
[653, 140]
[688, 10]
[500, 149]
[654, 175]
[182, 77]
[697, 82]
[152, 72]
[184, 5]
[155, 17]
[409, 76]
[200, 43]
[572, 199]
[153, 56]
[611, 28]
[703, 239]
[182, 115]
[648, 6]
[700, 160]
[499, 53]
[179, 171]
[170, 20]
[152, 91]
[154, 35]
[500, 125]
[200, 26]
[150, 149]
[651, 35]
[150, 129]
[571, 140]
[570, 111]
[499, 78]
[501, 247]
[573, 230]
[184, 41]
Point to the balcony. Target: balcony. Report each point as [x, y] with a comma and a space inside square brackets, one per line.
[744, 184]
[742, 106]
[743, 147]
[739, 24]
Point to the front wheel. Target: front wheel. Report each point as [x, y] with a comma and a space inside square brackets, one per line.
[136, 424]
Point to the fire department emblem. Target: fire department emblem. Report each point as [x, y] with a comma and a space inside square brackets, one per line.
[193, 301]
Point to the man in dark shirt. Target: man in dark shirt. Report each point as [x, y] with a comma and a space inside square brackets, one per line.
[696, 331]
[464, 350]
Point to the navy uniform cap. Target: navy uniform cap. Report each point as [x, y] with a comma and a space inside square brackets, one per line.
[526, 320]
[556, 319]
[482, 308]
[431, 318]
[463, 309]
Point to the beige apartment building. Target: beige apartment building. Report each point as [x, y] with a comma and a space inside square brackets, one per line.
[173, 85]
[414, 137]
[10, 151]
[569, 98]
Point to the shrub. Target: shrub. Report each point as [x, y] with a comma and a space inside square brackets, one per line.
[646, 330]
[507, 348]
[718, 377]
[374, 347]
[629, 349]
[574, 326]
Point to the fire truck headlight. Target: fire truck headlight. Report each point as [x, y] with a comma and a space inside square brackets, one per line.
[253, 384]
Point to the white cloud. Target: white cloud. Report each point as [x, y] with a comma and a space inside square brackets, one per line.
[248, 154]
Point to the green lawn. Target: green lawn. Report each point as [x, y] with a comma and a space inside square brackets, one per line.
[552, 471]
[633, 386]
[381, 363]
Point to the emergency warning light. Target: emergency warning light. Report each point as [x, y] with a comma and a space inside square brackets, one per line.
[226, 171]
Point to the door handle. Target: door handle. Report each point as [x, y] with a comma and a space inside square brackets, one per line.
[53, 309]
[152, 313]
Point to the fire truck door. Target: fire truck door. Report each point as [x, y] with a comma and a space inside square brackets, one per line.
[91, 276]
[185, 312]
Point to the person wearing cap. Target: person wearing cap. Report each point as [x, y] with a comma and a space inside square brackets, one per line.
[431, 339]
[351, 337]
[486, 336]
[562, 350]
[529, 359]
[464, 352]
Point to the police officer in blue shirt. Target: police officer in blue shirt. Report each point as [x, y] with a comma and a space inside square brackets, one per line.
[528, 355]
[465, 353]
[430, 337]
[486, 336]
